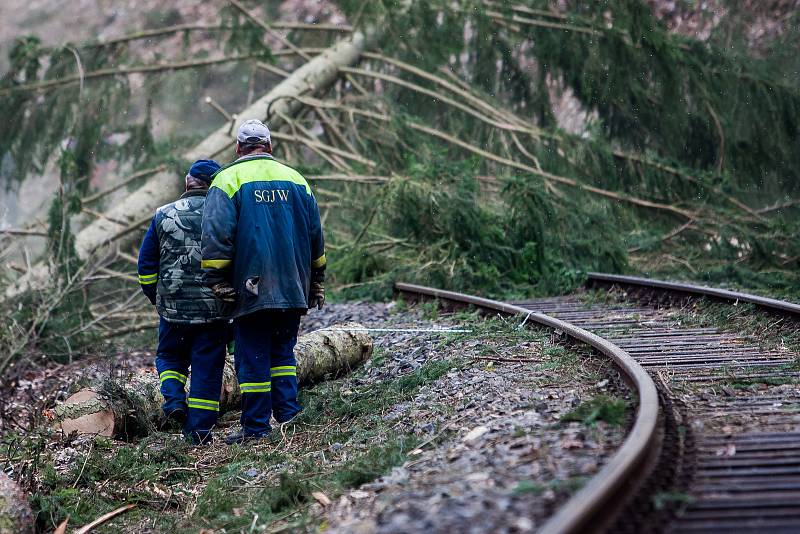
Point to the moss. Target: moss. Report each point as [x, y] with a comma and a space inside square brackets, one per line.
[600, 408]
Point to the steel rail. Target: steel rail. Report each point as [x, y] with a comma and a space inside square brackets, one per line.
[589, 508]
[766, 303]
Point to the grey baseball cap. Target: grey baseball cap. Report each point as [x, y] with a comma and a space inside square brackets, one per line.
[253, 132]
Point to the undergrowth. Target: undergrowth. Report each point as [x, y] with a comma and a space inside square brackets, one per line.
[683, 166]
[601, 408]
[145, 473]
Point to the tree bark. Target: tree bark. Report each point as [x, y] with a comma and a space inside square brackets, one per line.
[131, 408]
[15, 513]
[165, 187]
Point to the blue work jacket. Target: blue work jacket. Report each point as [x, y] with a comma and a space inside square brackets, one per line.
[262, 234]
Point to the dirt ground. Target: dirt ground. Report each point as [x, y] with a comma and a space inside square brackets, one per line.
[439, 431]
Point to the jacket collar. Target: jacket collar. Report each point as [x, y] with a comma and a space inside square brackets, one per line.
[254, 156]
[195, 193]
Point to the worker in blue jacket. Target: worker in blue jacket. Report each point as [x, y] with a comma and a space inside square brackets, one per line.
[264, 253]
[192, 331]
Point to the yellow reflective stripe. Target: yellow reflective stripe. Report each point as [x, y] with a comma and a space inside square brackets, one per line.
[232, 178]
[146, 279]
[214, 264]
[171, 372]
[255, 387]
[283, 370]
[319, 262]
[202, 406]
[204, 401]
[166, 375]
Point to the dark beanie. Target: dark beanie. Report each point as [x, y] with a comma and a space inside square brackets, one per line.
[204, 169]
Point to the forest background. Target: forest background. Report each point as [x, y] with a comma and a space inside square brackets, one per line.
[495, 147]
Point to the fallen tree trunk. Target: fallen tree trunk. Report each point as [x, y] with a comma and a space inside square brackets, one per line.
[131, 408]
[15, 513]
[164, 187]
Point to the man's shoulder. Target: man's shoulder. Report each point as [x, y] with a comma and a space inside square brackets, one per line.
[162, 210]
[256, 169]
[180, 208]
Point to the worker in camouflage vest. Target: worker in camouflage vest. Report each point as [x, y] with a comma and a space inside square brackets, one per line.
[192, 330]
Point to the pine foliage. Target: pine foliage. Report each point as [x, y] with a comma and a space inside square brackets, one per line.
[456, 170]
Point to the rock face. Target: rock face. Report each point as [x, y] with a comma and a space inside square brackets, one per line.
[15, 514]
[131, 408]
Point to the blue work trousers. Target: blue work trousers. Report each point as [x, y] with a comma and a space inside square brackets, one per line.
[266, 367]
[201, 347]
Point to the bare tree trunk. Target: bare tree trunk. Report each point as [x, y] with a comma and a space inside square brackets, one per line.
[164, 187]
[15, 513]
[131, 408]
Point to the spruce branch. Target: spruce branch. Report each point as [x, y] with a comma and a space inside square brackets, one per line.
[686, 176]
[354, 178]
[518, 19]
[23, 232]
[286, 42]
[313, 143]
[167, 31]
[521, 166]
[132, 178]
[534, 132]
[309, 141]
[181, 28]
[779, 206]
[125, 71]
[552, 177]
[126, 230]
[527, 10]
[463, 92]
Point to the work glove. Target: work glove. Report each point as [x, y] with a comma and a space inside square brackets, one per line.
[224, 292]
[150, 292]
[316, 295]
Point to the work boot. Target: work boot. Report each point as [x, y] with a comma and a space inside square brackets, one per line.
[172, 421]
[242, 438]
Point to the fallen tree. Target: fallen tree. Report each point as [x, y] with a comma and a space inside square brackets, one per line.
[120, 222]
[15, 513]
[131, 408]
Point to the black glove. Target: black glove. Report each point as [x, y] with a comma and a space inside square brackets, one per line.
[150, 292]
[316, 295]
[224, 292]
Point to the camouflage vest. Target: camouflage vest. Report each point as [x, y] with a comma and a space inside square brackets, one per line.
[182, 297]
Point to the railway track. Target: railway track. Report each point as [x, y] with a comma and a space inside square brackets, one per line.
[704, 453]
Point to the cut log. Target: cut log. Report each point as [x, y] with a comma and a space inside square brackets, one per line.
[164, 187]
[15, 513]
[129, 409]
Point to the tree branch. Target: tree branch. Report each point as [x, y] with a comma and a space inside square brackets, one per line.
[125, 71]
[123, 183]
[553, 177]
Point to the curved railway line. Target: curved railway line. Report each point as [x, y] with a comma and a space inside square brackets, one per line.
[701, 455]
